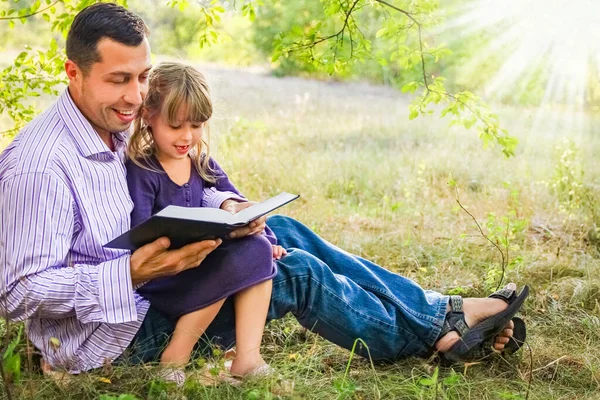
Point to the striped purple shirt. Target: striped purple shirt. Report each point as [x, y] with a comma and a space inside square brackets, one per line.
[63, 194]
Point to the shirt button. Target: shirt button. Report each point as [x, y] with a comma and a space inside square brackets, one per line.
[186, 185]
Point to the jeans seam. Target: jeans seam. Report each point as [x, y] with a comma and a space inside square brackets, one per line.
[439, 321]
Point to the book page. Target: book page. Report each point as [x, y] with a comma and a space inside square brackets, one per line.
[251, 213]
[198, 213]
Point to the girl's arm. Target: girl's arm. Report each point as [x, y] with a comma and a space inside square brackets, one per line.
[228, 191]
[215, 194]
[143, 188]
[222, 184]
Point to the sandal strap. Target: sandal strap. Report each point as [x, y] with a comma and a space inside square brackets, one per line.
[508, 295]
[455, 319]
[456, 302]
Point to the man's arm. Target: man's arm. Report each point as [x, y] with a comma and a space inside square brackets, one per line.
[36, 229]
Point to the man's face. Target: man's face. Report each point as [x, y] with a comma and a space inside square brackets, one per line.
[111, 92]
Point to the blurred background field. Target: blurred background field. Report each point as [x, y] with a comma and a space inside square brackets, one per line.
[386, 188]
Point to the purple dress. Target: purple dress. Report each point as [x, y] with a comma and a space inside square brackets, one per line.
[235, 265]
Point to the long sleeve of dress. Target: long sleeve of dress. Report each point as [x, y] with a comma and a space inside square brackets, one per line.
[143, 188]
[223, 190]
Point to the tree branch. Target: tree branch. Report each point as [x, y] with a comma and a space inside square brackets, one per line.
[428, 90]
[414, 20]
[32, 14]
[312, 45]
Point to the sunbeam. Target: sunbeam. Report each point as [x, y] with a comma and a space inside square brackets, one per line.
[555, 42]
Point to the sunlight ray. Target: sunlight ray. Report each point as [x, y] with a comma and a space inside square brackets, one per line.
[556, 42]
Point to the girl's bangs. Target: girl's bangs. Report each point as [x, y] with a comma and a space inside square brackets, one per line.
[197, 109]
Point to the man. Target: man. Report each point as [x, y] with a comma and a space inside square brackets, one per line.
[63, 194]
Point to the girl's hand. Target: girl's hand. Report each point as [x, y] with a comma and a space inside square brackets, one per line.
[232, 206]
[278, 252]
[255, 227]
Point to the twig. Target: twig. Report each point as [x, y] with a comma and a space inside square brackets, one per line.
[531, 371]
[312, 45]
[484, 235]
[420, 33]
[32, 14]
[507, 249]
[549, 364]
[423, 68]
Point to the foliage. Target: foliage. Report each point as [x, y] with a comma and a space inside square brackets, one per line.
[333, 40]
[11, 358]
[331, 36]
[35, 72]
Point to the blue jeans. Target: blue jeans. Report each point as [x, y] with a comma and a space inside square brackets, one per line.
[343, 297]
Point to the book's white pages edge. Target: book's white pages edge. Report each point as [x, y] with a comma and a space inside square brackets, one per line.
[246, 215]
[207, 214]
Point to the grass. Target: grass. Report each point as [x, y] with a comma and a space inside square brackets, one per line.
[386, 189]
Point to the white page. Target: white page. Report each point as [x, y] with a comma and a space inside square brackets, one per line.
[266, 206]
[221, 216]
[198, 213]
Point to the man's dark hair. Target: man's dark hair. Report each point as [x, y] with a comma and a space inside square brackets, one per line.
[98, 21]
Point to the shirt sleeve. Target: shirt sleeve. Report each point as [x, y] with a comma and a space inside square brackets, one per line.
[37, 279]
[143, 189]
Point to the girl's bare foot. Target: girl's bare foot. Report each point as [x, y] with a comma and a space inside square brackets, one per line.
[476, 310]
[245, 365]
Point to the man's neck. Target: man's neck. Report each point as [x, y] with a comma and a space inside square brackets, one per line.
[107, 138]
[105, 135]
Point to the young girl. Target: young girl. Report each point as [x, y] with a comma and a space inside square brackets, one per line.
[169, 164]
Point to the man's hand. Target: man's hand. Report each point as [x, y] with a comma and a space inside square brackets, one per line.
[255, 227]
[155, 260]
[278, 252]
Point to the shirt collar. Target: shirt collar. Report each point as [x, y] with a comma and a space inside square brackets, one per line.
[84, 135]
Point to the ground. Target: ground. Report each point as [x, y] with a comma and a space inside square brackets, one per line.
[385, 188]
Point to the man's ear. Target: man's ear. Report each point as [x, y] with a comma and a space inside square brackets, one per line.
[73, 72]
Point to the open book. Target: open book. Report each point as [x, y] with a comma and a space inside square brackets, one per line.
[185, 225]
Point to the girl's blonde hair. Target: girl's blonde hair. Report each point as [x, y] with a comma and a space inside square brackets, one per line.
[171, 87]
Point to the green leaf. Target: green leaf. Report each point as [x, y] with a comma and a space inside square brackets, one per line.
[35, 7]
[12, 365]
[381, 32]
[410, 87]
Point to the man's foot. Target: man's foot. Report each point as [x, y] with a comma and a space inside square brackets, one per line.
[476, 310]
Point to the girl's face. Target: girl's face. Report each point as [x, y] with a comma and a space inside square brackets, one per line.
[174, 141]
